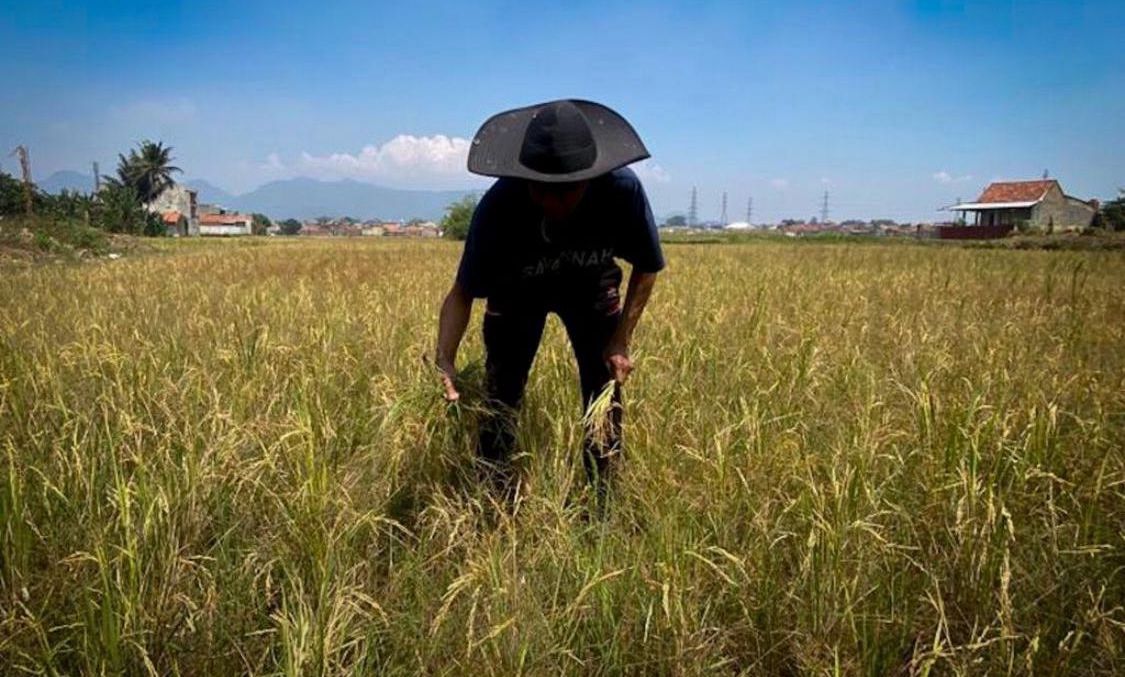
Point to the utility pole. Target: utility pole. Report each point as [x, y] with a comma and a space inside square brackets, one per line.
[750, 211]
[693, 208]
[25, 166]
[723, 218]
[97, 179]
[824, 209]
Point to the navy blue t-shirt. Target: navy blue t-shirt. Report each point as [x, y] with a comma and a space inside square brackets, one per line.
[513, 256]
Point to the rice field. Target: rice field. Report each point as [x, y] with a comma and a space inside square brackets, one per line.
[230, 458]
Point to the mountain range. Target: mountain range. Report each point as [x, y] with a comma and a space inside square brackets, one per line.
[303, 198]
[66, 180]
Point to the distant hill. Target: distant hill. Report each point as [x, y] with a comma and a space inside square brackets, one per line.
[209, 192]
[303, 198]
[67, 180]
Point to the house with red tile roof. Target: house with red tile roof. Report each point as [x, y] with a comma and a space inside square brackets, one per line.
[225, 224]
[175, 222]
[1040, 205]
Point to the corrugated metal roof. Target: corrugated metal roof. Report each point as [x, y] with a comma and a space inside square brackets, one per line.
[983, 206]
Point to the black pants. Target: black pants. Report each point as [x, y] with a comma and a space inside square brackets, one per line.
[511, 339]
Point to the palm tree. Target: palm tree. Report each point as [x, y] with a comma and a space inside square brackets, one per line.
[147, 170]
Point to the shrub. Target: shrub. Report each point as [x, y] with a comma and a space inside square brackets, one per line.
[1112, 214]
[49, 233]
[12, 197]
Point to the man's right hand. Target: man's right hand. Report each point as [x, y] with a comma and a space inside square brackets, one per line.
[455, 311]
[447, 371]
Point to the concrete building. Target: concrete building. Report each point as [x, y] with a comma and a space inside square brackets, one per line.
[225, 224]
[1039, 205]
[179, 208]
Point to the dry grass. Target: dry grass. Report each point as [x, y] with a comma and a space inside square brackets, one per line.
[840, 458]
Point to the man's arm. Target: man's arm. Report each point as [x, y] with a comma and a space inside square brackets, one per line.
[636, 298]
[455, 313]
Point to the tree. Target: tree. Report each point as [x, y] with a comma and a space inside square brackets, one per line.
[290, 227]
[1112, 215]
[260, 223]
[69, 204]
[120, 211]
[458, 216]
[147, 170]
[12, 195]
[677, 221]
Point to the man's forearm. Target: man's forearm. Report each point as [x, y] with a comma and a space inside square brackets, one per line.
[636, 298]
[453, 320]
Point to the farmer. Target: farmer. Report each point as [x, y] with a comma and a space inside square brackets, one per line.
[543, 239]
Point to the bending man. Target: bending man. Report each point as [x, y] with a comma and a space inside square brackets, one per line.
[544, 239]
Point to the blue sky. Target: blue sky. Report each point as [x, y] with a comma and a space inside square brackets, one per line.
[896, 108]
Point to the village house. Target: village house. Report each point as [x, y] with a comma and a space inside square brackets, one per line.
[178, 207]
[800, 229]
[347, 229]
[1040, 205]
[225, 224]
[422, 229]
[324, 227]
[175, 223]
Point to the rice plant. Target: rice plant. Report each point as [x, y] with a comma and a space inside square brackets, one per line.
[231, 458]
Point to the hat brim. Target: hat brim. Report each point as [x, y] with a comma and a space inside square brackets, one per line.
[495, 150]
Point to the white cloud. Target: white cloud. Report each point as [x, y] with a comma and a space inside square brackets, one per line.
[648, 170]
[405, 157]
[779, 184]
[945, 177]
[273, 163]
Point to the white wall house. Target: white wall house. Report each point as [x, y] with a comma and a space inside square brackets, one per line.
[225, 224]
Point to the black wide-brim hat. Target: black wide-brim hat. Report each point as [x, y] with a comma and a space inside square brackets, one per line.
[555, 142]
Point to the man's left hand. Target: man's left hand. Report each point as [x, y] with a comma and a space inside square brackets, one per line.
[619, 363]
